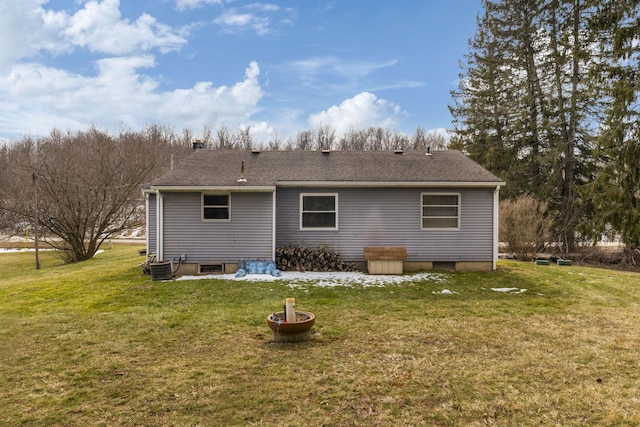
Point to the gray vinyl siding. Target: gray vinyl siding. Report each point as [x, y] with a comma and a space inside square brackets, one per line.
[247, 236]
[392, 217]
[152, 229]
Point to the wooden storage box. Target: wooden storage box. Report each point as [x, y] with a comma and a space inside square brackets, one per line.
[385, 259]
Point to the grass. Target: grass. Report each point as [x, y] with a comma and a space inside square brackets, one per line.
[98, 343]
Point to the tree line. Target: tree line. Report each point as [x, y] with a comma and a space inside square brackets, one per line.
[548, 101]
[324, 138]
[83, 187]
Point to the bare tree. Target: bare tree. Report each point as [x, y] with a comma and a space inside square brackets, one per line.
[524, 226]
[399, 141]
[10, 223]
[243, 139]
[276, 142]
[304, 140]
[290, 145]
[187, 137]
[87, 185]
[352, 140]
[419, 140]
[436, 140]
[224, 138]
[324, 137]
[207, 136]
[377, 140]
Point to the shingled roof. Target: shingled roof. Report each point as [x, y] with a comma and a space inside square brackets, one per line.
[222, 168]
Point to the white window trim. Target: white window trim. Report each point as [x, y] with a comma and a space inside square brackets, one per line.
[202, 206]
[302, 196]
[438, 228]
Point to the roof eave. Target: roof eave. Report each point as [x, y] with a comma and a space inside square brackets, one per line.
[200, 188]
[154, 189]
[397, 184]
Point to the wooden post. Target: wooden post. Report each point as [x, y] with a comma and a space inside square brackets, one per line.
[35, 214]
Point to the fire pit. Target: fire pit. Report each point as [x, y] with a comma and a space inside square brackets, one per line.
[287, 331]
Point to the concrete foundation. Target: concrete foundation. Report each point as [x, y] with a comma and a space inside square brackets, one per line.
[193, 269]
[413, 266]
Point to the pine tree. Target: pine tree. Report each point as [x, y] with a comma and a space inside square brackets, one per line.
[482, 102]
[571, 111]
[615, 192]
[523, 109]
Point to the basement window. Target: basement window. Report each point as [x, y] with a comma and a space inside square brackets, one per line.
[440, 211]
[210, 269]
[216, 207]
[444, 265]
[319, 211]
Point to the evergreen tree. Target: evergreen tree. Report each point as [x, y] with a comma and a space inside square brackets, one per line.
[571, 111]
[615, 192]
[481, 110]
[524, 108]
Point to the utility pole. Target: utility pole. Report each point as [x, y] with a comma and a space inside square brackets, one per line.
[35, 214]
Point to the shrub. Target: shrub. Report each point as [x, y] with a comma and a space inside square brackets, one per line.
[524, 226]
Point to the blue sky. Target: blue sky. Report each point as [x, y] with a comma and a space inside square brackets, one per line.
[277, 67]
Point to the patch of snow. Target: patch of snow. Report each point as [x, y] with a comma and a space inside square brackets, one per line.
[330, 279]
[444, 292]
[509, 290]
[14, 250]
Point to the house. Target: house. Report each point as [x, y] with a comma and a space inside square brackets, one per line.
[218, 207]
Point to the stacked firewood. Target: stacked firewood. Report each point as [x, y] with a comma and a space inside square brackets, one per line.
[299, 258]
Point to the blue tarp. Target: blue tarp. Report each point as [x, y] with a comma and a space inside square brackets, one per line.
[257, 267]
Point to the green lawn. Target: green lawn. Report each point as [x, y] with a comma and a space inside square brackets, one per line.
[98, 343]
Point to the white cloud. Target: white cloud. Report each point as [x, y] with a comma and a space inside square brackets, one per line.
[100, 28]
[194, 4]
[330, 74]
[204, 103]
[26, 28]
[261, 132]
[256, 17]
[47, 78]
[333, 65]
[34, 99]
[58, 98]
[361, 111]
[233, 21]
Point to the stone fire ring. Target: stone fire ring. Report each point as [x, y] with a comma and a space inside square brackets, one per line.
[298, 331]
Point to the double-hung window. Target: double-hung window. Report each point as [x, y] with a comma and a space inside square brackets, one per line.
[440, 211]
[319, 211]
[216, 207]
